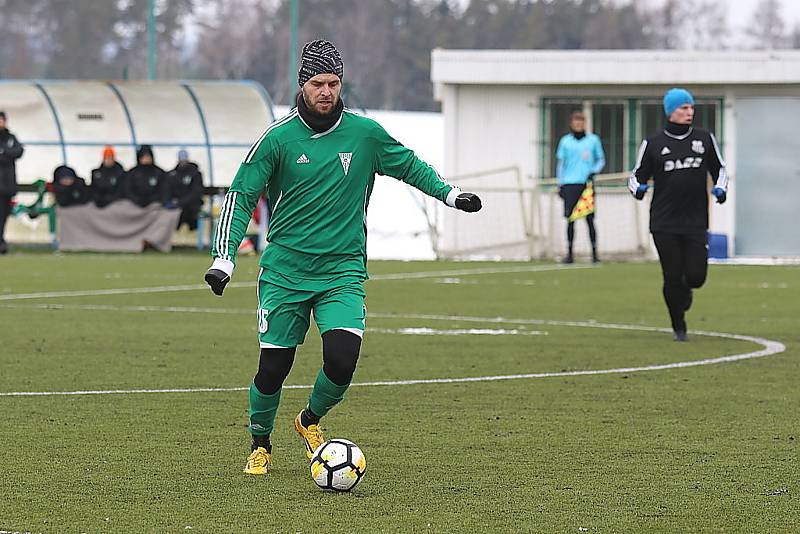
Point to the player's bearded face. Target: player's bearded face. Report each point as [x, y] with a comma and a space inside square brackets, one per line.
[321, 93]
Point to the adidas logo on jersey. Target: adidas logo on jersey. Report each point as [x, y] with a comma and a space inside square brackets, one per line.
[345, 158]
[303, 159]
[665, 151]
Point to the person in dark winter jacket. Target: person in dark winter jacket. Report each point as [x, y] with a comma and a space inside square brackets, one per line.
[108, 180]
[146, 183]
[10, 151]
[70, 189]
[185, 184]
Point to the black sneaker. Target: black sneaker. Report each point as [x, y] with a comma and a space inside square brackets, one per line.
[680, 335]
[568, 259]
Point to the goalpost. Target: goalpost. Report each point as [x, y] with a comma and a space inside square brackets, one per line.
[523, 219]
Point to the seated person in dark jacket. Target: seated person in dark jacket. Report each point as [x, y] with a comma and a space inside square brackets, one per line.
[108, 180]
[146, 182]
[70, 189]
[185, 184]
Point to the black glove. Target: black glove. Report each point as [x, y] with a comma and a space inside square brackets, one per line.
[641, 189]
[721, 195]
[468, 202]
[217, 280]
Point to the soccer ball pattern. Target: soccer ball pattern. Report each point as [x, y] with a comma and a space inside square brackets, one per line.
[338, 464]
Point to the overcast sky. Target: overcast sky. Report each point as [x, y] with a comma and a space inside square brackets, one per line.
[740, 11]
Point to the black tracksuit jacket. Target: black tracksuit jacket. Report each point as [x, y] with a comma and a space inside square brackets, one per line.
[679, 159]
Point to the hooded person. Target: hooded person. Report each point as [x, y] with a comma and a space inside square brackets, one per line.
[108, 180]
[69, 188]
[10, 151]
[146, 183]
[185, 189]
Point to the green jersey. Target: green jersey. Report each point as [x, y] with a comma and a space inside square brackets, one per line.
[317, 187]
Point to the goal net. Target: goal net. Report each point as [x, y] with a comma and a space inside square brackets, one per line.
[523, 219]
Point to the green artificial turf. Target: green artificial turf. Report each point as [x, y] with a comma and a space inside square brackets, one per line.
[696, 449]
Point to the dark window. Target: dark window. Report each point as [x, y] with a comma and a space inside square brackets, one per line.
[705, 116]
[608, 122]
[653, 119]
[559, 125]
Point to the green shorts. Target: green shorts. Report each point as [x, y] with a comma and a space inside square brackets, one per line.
[283, 313]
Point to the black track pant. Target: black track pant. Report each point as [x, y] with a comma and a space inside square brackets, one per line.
[684, 264]
[571, 193]
[340, 351]
[5, 210]
[592, 232]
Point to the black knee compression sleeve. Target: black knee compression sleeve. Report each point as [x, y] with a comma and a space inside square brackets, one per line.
[340, 350]
[273, 367]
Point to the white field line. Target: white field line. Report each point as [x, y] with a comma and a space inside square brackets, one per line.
[488, 270]
[769, 348]
[457, 332]
[194, 287]
[111, 307]
[114, 291]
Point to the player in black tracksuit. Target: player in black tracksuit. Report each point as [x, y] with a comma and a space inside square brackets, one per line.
[679, 160]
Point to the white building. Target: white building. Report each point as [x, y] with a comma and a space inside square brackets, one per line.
[506, 109]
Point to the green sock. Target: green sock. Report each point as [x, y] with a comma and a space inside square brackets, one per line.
[325, 394]
[262, 411]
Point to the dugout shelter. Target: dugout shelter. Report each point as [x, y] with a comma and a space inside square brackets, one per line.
[505, 110]
[69, 123]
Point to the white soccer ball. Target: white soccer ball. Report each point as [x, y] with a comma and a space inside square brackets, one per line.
[338, 464]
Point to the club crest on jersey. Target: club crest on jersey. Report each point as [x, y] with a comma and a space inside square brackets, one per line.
[697, 146]
[345, 158]
[686, 163]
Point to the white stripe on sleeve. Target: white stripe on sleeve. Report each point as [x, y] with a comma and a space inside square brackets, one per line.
[722, 180]
[224, 225]
[716, 148]
[633, 182]
[218, 233]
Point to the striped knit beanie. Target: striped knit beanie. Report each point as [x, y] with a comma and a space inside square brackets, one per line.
[319, 57]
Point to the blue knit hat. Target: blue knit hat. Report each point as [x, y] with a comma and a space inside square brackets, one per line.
[675, 98]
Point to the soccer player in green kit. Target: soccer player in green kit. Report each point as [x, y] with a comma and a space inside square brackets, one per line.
[318, 166]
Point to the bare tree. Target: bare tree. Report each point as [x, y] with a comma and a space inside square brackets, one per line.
[767, 29]
[228, 42]
[699, 25]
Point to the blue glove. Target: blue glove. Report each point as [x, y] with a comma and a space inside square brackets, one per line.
[640, 191]
[721, 195]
